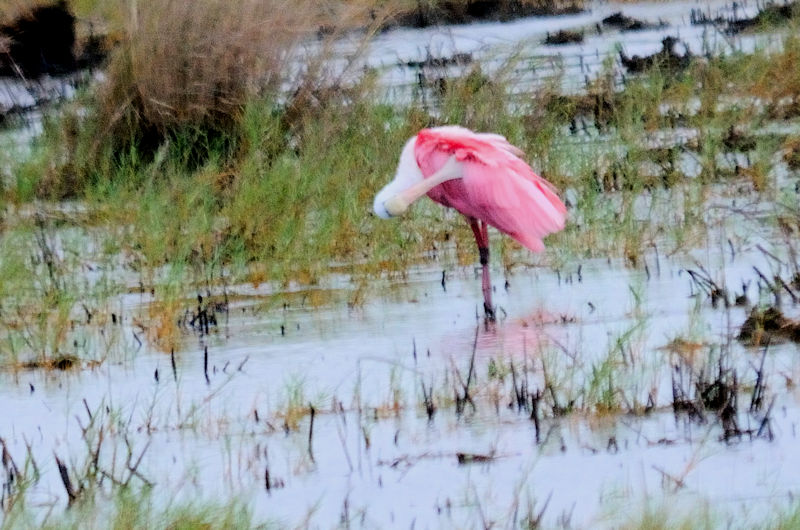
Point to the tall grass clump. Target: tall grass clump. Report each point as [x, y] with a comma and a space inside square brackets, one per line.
[778, 79]
[178, 80]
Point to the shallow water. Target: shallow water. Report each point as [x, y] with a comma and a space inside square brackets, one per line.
[358, 367]
[375, 459]
[495, 45]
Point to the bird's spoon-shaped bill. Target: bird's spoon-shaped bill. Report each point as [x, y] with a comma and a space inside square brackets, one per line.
[398, 204]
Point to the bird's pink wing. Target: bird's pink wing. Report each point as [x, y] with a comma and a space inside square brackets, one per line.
[498, 187]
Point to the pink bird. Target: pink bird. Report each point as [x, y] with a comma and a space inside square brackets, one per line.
[482, 176]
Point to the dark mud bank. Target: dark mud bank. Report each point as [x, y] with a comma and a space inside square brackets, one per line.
[43, 41]
[461, 12]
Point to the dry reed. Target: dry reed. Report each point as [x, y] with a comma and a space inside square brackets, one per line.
[195, 63]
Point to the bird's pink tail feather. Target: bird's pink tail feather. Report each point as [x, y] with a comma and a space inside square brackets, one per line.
[498, 187]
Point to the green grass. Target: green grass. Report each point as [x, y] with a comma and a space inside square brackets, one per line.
[131, 508]
[283, 193]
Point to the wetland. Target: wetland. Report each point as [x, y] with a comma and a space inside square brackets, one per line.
[203, 325]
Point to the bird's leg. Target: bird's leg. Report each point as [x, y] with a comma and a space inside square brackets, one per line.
[481, 232]
[486, 282]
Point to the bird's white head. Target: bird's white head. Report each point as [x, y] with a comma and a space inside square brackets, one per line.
[408, 174]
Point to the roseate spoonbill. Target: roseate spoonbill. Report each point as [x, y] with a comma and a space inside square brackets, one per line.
[482, 176]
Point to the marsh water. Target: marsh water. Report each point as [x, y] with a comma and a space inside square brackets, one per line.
[406, 59]
[309, 403]
[215, 429]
